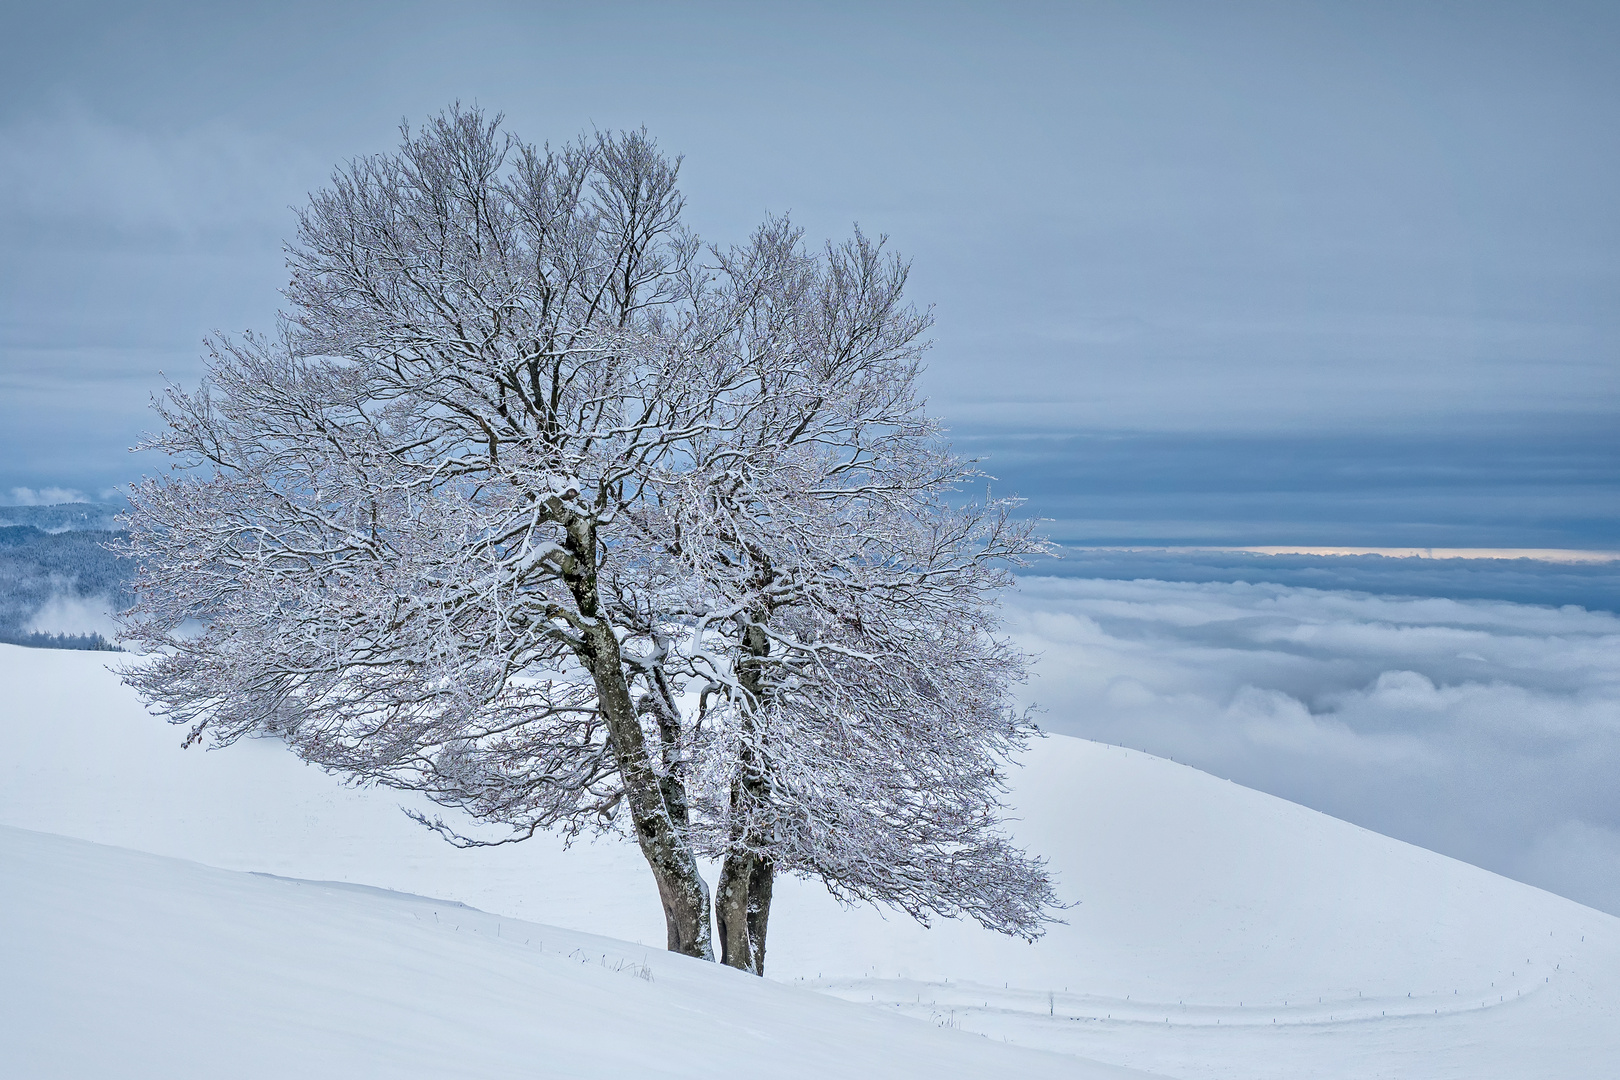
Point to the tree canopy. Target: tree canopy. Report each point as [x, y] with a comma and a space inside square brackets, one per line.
[538, 506]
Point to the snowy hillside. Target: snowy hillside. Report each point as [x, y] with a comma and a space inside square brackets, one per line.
[1216, 932]
[127, 965]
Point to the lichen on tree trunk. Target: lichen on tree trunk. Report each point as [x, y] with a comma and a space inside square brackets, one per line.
[743, 908]
[743, 895]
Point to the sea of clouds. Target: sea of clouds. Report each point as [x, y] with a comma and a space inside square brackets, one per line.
[1484, 729]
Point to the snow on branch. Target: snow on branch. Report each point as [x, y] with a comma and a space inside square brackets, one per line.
[538, 506]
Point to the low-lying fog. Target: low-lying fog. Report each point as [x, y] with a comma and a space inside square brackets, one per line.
[1482, 729]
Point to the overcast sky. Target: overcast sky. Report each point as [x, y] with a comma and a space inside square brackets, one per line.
[1362, 244]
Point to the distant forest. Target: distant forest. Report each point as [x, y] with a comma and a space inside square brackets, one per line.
[58, 551]
[64, 516]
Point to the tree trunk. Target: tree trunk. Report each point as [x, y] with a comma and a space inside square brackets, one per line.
[663, 839]
[664, 844]
[743, 907]
[743, 895]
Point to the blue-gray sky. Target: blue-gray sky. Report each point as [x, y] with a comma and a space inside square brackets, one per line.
[1316, 273]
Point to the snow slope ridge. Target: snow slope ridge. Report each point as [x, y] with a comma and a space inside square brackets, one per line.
[131, 965]
[1221, 932]
[1217, 932]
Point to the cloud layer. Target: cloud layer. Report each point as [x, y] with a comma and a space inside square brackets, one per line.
[1485, 730]
[1551, 482]
[1591, 585]
[45, 496]
[67, 613]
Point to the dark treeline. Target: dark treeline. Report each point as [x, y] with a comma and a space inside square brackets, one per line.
[84, 642]
[64, 516]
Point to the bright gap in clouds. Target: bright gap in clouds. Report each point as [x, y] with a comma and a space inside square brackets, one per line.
[1553, 579]
[1482, 729]
[1552, 555]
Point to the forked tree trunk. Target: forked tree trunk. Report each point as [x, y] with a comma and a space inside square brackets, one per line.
[663, 842]
[663, 839]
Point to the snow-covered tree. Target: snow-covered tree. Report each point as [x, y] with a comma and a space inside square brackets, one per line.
[535, 507]
[858, 717]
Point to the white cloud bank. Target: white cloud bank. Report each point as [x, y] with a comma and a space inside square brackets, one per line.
[67, 613]
[46, 496]
[1486, 730]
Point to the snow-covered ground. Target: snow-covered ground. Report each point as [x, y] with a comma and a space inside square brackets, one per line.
[120, 964]
[1216, 932]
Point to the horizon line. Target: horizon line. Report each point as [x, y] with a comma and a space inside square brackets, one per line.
[1555, 555]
